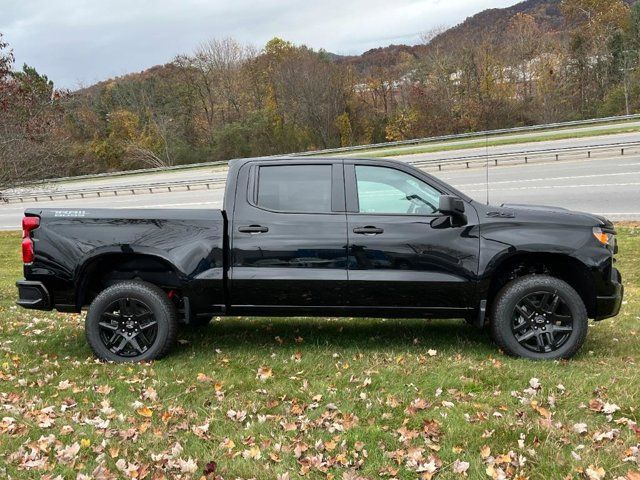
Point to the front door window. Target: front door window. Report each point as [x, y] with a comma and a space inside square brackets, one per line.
[387, 191]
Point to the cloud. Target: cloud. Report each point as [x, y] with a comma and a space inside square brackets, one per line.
[80, 42]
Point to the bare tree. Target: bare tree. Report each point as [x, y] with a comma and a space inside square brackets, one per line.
[213, 75]
[31, 137]
[524, 46]
[437, 76]
[310, 91]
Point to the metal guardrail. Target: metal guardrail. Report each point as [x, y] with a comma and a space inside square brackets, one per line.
[133, 189]
[484, 133]
[526, 155]
[373, 146]
[138, 171]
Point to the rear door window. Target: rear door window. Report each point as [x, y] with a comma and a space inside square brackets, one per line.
[295, 188]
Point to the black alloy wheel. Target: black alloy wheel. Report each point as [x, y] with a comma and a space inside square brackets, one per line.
[539, 317]
[128, 327]
[542, 322]
[131, 321]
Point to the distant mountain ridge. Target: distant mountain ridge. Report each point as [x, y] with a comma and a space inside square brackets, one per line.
[494, 21]
[490, 22]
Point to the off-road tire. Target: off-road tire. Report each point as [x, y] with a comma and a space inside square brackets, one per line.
[503, 311]
[159, 304]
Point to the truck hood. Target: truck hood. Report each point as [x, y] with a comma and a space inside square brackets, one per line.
[546, 213]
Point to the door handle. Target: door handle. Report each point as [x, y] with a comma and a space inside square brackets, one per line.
[368, 230]
[253, 229]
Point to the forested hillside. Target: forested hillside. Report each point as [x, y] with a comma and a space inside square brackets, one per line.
[535, 62]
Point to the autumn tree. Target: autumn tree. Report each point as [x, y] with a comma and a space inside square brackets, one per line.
[214, 78]
[32, 138]
[436, 77]
[628, 59]
[227, 99]
[310, 93]
[594, 25]
[524, 42]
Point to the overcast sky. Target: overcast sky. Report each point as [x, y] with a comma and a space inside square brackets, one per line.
[80, 42]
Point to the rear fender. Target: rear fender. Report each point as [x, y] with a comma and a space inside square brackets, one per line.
[87, 266]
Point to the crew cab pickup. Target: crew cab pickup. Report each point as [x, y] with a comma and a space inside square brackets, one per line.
[324, 237]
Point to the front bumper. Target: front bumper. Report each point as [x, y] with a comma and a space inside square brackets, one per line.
[33, 295]
[609, 305]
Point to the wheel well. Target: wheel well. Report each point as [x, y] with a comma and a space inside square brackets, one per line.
[112, 268]
[566, 268]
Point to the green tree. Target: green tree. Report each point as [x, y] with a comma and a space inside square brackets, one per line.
[343, 123]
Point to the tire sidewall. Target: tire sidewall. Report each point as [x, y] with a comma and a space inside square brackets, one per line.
[513, 293]
[136, 291]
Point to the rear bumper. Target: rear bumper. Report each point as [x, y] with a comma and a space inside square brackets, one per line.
[33, 295]
[609, 305]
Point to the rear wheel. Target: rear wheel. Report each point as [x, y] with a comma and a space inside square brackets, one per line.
[539, 317]
[130, 322]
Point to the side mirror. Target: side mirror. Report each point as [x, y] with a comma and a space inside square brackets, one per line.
[453, 207]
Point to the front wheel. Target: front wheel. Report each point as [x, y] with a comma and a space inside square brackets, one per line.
[130, 322]
[539, 317]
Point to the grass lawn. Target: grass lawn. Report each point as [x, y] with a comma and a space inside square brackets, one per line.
[336, 399]
[494, 141]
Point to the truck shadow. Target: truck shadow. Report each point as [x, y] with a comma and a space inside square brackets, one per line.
[238, 333]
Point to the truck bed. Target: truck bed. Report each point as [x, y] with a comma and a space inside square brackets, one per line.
[72, 245]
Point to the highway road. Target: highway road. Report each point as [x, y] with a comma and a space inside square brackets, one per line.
[588, 140]
[219, 172]
[608, 185]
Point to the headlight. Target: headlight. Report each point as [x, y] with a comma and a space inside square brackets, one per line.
[605, 238]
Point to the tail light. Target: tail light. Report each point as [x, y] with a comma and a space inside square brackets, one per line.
[28, 225]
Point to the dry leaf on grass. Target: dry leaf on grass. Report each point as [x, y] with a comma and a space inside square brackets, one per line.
[460, 467]
[264, 373]
[145, 412]
[594, 473]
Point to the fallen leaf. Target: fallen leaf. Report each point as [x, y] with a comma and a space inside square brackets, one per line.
[595, 473]
[596, 405]
[64, 385]
[264, 373]
[608, 435]
[69, 453]
[104, 389]
[253, 453]
[485, 451]
[460, 467]
[580, 428]
[610, 408]
[150, 394]
[187, 466]
[145, 412]
[543, 412]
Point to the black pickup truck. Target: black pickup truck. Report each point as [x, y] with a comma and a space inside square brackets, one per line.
[324, 237]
